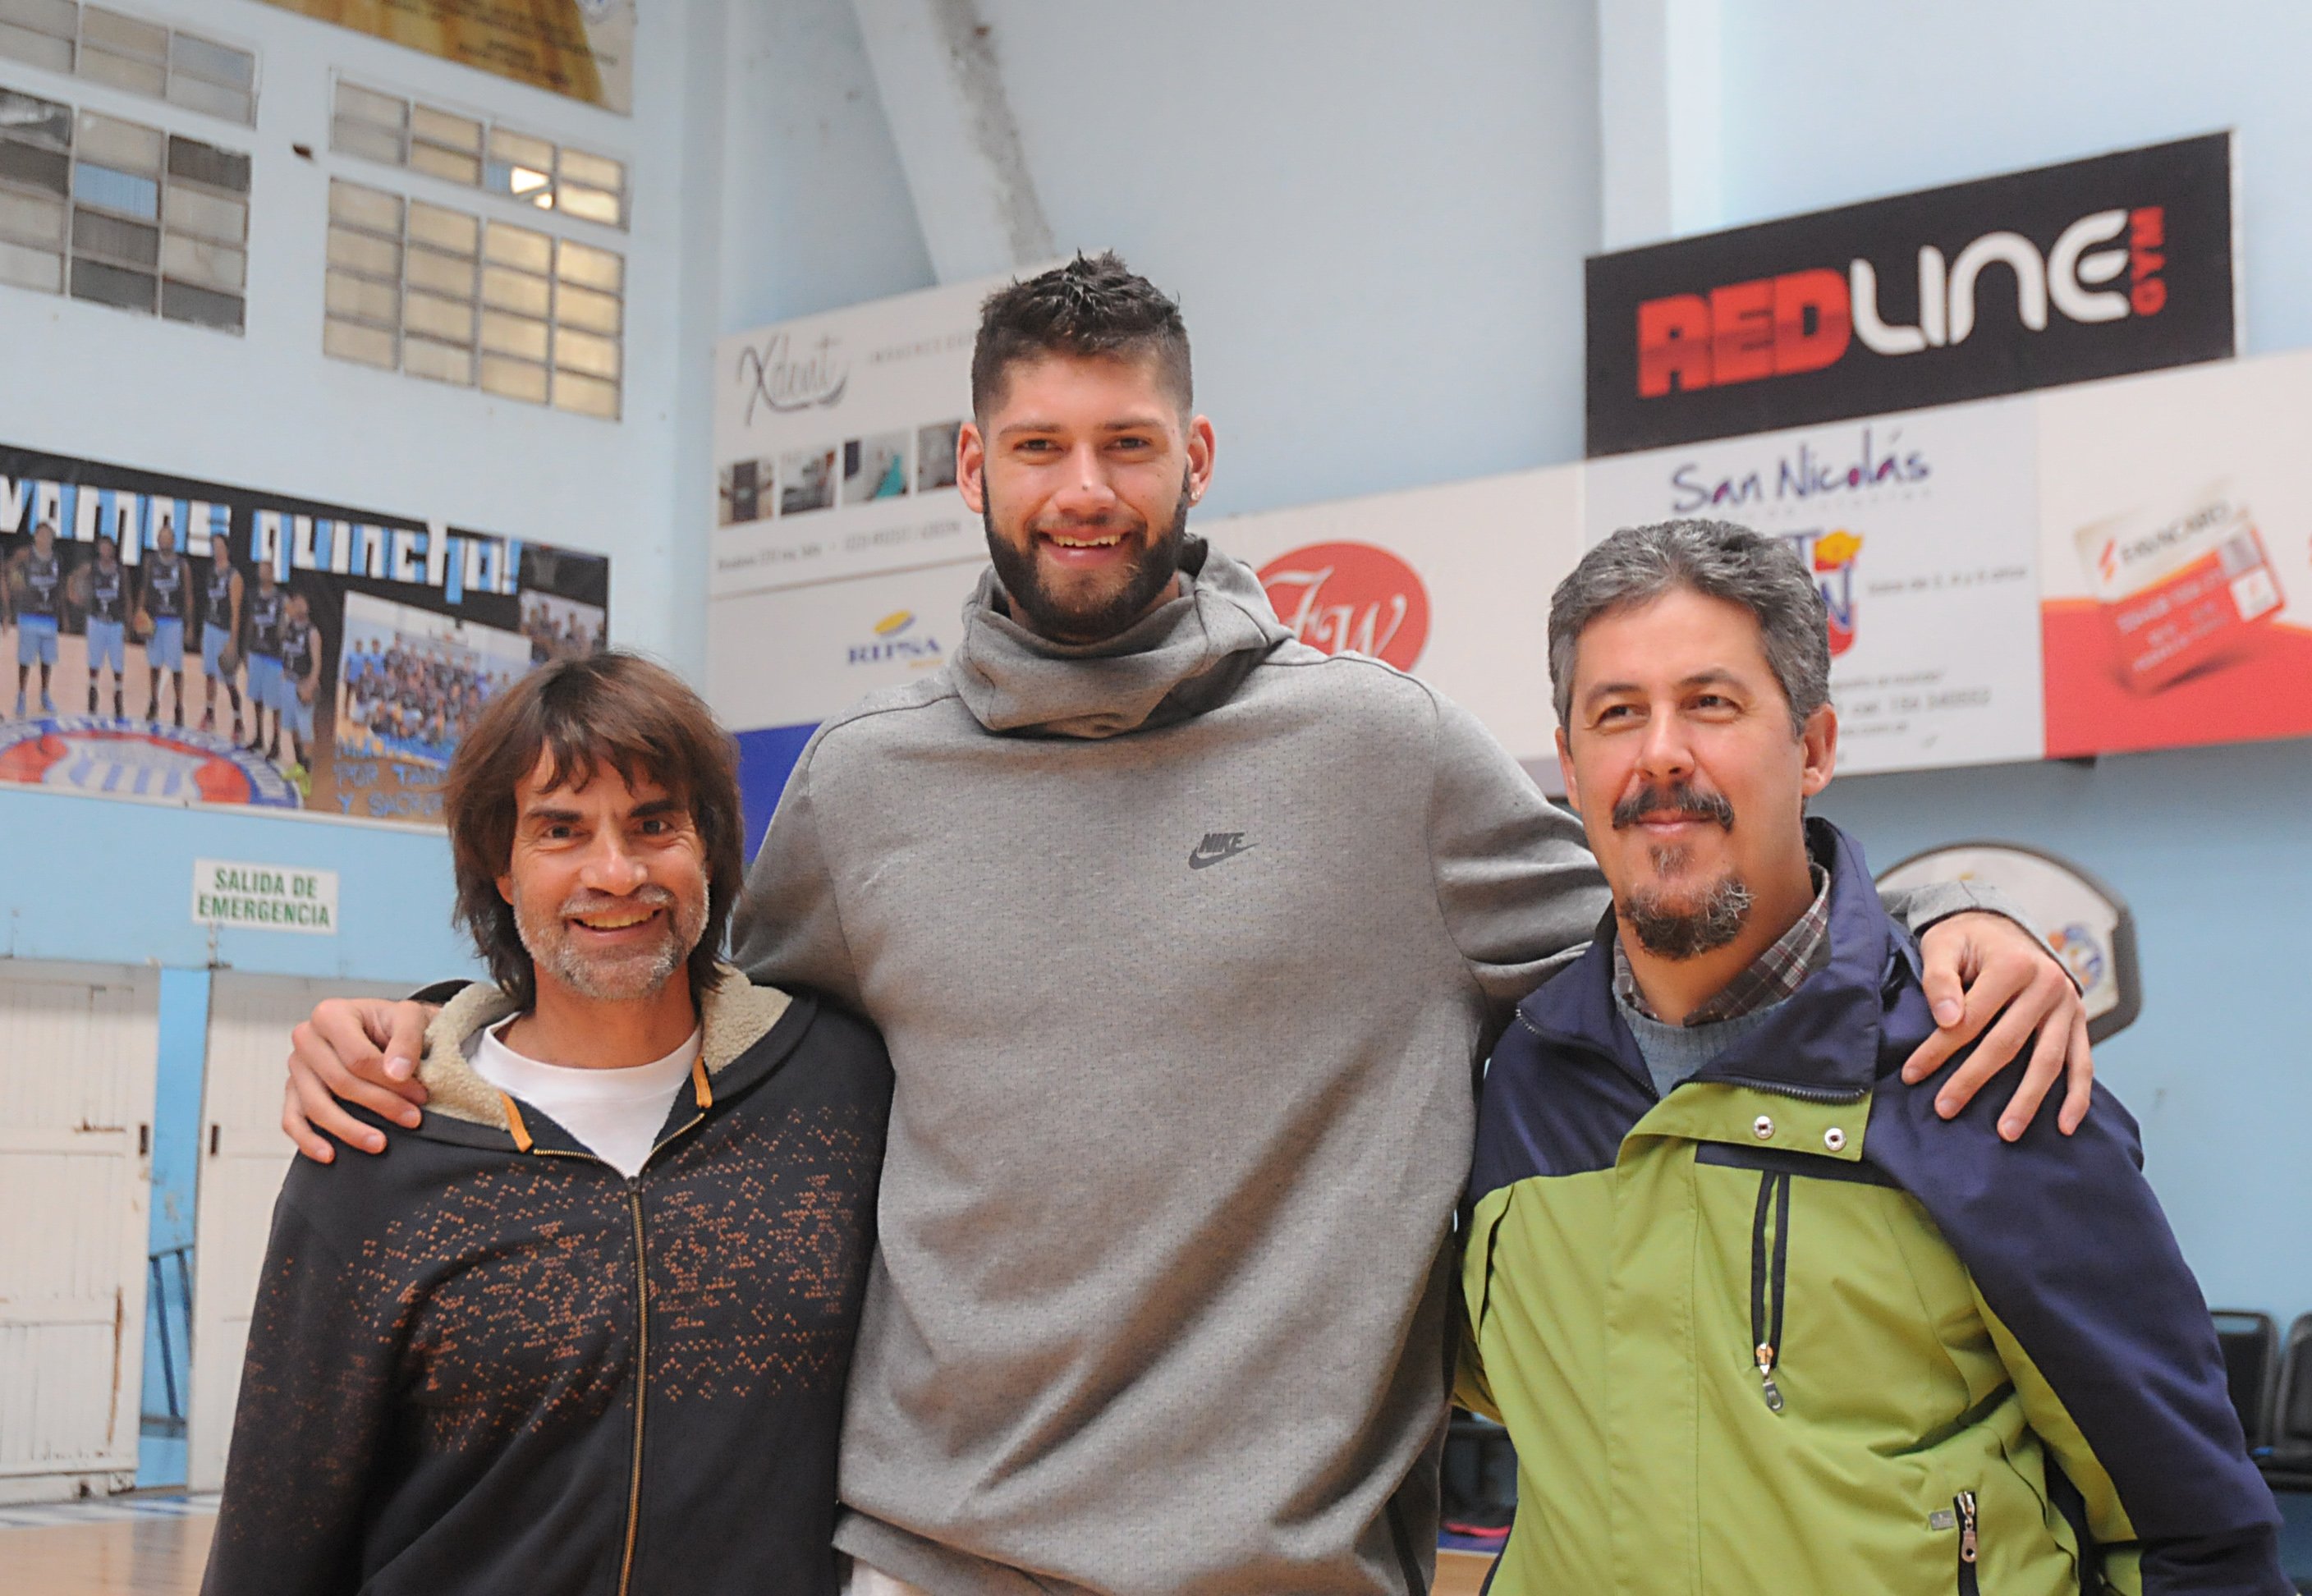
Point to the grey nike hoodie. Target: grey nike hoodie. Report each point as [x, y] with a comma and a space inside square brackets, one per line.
[1185, 947]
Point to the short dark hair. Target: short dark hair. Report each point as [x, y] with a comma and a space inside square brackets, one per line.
[1094, 307]
[1719, 560]
[610, 708]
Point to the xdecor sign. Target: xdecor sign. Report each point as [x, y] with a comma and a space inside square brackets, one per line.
[2095, 269]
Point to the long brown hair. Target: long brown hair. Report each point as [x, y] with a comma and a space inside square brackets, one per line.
[610, 708]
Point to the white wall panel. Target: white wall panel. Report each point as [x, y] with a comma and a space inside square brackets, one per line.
[76, 1059]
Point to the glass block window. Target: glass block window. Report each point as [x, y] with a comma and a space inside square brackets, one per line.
[439, 293]
[35, 191]
[134, 53]
[445, 144]
[122, 214]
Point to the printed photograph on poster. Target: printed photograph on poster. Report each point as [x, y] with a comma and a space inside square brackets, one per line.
[581, 48]
[560, 628]
[743, 491]
[1918, 531]
[874, 469]
[1449, 583]
[935, 455]
[835, 443]
[195, 644]
[410, 682]
[2176, 554]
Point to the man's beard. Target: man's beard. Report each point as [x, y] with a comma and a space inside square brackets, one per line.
[1035, 604]
[1683, 931]
[629, 977]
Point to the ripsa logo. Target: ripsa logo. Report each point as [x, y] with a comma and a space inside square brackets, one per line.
[787, 379]
[896, 642]
[1803, 476]
[1831, 557]
[1804, 321]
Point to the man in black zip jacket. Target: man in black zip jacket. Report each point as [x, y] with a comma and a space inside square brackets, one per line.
[587, 1330]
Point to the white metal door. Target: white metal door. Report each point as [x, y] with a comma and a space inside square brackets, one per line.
[77, 1049]
[243, 1156]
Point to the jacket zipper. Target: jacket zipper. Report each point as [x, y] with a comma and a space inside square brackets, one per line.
[1769, 1279]
[642, 1334]
[642, 1385]
[1968, 1545]
[1805, 1094]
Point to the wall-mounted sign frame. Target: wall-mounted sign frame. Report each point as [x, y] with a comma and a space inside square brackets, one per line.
[278, 651]
[2086, 921]
[2093, 269]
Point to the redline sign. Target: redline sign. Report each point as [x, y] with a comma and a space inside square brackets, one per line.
[2094, 268]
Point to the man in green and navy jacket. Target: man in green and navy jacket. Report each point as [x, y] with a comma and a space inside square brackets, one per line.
[1756, 1319]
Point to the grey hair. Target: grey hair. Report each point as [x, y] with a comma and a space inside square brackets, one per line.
[1719, 560]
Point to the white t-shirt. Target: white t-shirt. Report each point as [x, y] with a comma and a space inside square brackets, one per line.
[616, 1113]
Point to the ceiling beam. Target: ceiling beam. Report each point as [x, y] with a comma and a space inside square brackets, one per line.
[934, 64]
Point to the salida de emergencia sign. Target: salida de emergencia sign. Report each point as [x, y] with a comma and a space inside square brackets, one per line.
[265, 897]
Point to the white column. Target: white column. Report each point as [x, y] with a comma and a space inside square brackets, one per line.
[1661, 118]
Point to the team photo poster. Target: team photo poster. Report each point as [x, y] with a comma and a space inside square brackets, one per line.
[188, 643]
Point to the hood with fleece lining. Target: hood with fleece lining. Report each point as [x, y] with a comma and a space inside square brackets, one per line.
[1187, 655]
[738, 1013]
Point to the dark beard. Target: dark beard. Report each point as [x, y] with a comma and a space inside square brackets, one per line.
[1033, 605]
[1718, 919]
[1688, 933]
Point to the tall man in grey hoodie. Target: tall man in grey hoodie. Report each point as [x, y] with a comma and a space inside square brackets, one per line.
[1186, 941]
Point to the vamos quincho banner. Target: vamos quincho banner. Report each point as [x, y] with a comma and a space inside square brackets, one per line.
[184, 642]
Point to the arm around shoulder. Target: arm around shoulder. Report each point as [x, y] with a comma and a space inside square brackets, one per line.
[1520, 891]
[788, 929]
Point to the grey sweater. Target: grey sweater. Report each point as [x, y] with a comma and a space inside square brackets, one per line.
[1185, 947]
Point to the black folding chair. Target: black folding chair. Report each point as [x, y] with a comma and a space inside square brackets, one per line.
[2287, 1461]
[2251, 1344]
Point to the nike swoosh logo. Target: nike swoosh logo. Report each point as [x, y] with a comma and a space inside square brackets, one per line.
[1198, 858]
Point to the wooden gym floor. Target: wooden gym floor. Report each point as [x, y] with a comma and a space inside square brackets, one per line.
[139, 1556]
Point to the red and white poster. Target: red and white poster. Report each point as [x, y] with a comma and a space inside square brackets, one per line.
[2175, 558]
[1450, 584]
[1919, 529]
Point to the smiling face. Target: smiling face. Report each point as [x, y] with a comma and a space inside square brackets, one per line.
[608, 883]
[1083, 472]
[1680, 760]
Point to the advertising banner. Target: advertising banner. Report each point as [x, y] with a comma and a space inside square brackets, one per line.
[2100, 268]
[792, 658]
[835, 442]
[1450, 584]
[187, 642]
[2176, 551]
[1921, 531]
[582, 48]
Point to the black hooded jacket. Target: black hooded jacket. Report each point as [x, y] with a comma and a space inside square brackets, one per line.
[485, 1361]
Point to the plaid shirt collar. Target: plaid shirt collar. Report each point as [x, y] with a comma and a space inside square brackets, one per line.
[1773, 976]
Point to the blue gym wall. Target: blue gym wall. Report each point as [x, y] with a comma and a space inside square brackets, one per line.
[1376, 231]
[1376, 226]
[1827, 102]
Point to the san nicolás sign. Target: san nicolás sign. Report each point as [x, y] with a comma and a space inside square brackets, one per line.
[2094, 268]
